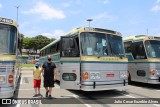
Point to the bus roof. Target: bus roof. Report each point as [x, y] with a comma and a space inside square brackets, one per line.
[8, 21]
[90, 29]
[76, 31]
[140, 38]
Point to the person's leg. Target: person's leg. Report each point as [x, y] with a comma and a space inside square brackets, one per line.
[51, 85]
[50, 90]
[46, 86]
[38, 87]
[35, 94]
[35, 88]
[39, 93]
[39, 90]
[47, 91]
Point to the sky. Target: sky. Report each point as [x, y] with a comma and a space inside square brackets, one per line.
[54, 18]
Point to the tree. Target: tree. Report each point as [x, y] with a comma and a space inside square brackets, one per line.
[39, 42]
[52, 39]
[26, 43]
[36, 43]
[21, 35]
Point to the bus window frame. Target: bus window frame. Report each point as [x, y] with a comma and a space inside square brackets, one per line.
[109, 48]
[74, 40]
[133, 48]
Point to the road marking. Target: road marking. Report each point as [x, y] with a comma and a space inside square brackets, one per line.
[76, 96]
[156, 105]
[126, 95]
[18, 105]
[24, 76]
[129, 96]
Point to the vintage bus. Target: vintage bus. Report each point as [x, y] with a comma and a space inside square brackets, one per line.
[10, 56]
[89, 59]
[30, 59]
[143, 53]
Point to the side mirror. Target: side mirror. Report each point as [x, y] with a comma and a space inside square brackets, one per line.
[20, 42]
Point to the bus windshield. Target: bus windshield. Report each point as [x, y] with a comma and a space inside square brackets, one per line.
[8, 37]
[100, 44]
[153, 48]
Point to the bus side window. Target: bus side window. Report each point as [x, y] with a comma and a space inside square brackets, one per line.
[127, 46]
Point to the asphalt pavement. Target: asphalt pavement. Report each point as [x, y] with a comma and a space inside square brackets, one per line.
[136, 95]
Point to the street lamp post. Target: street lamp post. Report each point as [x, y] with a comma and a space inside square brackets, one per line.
[17, 13]
[89, 20]
[147, 31]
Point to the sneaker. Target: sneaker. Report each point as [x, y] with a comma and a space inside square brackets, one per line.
[47, 93]
[50, 97]
[39, 94]
[35, 95]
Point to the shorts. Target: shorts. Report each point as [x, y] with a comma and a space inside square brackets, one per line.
[48, 82]
[37, 83]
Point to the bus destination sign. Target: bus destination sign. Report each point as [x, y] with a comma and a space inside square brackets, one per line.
[7, 21]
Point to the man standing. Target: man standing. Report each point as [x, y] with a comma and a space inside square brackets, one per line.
[49, 69]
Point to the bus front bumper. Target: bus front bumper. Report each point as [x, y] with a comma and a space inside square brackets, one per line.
[154, 81]
[99, 86]
[6, 92]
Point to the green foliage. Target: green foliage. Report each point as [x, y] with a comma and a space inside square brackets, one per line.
[52, 39]
[35, 43]
[20, 35]
[40, 41]
[27, 43]
[27, 65]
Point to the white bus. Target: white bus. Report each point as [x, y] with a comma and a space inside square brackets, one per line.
[10, 61]
[89, 59]
[143, 53]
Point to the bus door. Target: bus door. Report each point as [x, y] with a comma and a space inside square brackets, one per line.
[140, 59]
[69, 63]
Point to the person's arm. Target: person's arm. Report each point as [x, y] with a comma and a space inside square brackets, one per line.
[42, 69]
[54, 74]
[33, 72]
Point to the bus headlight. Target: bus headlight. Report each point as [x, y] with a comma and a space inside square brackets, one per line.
[85, 75]
[123, 75]
[94, 75]
[152, 72]
[10, 79]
